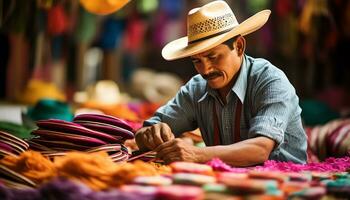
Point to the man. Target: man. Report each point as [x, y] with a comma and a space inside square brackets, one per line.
[246, 109]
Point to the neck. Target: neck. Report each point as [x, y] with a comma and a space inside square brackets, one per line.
[223, 92]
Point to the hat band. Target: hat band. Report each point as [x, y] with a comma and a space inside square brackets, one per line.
[209, 36]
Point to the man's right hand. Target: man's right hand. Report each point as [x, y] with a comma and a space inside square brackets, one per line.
[150, 137]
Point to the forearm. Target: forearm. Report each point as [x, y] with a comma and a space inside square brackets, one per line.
[245, 153]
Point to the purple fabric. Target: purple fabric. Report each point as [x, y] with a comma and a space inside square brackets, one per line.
[106, 128]
[17, 194]
[74, 128]
[6, 147]
[13, 139]
[104, 119]
[82, 140]
[60, 144]
[64, 189]
[5, 193]
[14, 147]
[219, 165]
[329, 165]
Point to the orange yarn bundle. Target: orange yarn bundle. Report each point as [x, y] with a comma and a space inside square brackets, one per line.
[93, 169]
[97, 170]
[127, 172]
[161, 169]
[32, 165]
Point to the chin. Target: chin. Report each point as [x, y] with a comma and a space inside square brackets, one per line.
[215, 86]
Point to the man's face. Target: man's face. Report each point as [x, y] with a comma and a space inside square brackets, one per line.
[218, 66]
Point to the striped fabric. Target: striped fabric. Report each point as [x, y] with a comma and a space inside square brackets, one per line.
[331, 139]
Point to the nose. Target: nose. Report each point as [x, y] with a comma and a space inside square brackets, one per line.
[204, 67]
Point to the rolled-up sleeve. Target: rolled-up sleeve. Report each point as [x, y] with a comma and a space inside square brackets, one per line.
[178, 113]
[272, 104]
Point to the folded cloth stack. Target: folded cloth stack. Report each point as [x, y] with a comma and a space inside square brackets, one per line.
[88, 132]
[113, 126]
[11, 145]
[13, 179]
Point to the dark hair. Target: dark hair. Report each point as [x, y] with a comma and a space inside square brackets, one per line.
[230, 42]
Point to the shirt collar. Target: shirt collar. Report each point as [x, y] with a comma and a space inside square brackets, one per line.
[239, 88]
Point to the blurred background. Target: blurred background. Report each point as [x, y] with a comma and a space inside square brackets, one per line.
[63, 57]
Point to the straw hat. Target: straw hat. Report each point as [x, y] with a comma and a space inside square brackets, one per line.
[104, 92]
[209, 26]
[103, 7]
[162, 88]
[155, 87]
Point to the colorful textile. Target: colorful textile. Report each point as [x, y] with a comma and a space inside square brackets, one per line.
[103, 7]
[20, 131]
[57, 21]
[331, 139]
[37, 90]
[50, 109]
[329, 165]
[31, 165]
[112, 32]
[62, 188]
[88, 133]
[11, 145]
[313, 108]
[140, 180]
[97, 170]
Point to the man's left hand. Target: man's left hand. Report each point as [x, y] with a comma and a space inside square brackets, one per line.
[178, 150]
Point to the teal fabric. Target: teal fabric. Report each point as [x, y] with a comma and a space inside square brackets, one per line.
[316, 112]
[50, 109]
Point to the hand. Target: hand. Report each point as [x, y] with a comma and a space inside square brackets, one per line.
[178, 150]
[152, 136]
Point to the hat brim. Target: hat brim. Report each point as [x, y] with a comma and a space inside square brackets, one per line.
[103, 7]
[180, 48]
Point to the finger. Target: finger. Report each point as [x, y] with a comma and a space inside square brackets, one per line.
[148, 141]
[157, 139]
[140, 140]
[166, 133]
[164, 145]
[172, 157]
[168, 150]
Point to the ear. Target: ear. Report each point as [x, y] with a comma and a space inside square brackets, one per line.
[240, 45]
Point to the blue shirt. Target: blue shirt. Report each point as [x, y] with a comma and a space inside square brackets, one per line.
[270, 108]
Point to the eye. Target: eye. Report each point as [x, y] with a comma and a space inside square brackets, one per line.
[212, 57]
[195, 61]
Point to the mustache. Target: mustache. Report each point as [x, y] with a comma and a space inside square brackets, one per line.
[211, 75]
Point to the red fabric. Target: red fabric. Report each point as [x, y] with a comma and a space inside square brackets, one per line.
[57, 22]
[283, 7]
[237, 122]
[135, 34]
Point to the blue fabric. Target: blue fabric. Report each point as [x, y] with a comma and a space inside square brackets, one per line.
[112, 32]
[270, 108]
